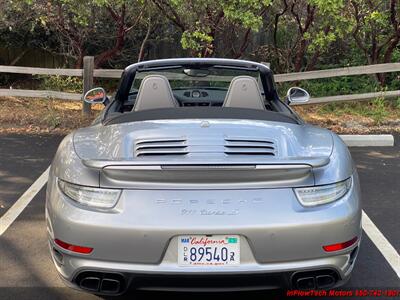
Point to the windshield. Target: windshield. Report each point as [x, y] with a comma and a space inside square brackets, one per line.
[196, 85]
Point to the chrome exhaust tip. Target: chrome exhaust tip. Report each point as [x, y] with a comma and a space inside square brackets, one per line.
[90, 283]
[101, 282]
[318, 279]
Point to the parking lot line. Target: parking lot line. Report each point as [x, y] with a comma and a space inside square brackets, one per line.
[376, 236]
[14, 211]
[383, 245]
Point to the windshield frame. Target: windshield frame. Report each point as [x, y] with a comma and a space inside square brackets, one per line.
[130, 72]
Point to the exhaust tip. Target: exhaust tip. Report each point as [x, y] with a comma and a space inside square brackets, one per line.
[101, 282]
[110, 286]
[306, 283]
[318, 279]
[325, 281]
[90, 283]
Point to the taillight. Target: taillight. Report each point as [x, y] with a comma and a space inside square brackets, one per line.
[73, 248]
[340, 246]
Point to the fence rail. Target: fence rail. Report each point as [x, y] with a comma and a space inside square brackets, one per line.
[40, 94]
[347, 71]
[41, 71]
[88, 73]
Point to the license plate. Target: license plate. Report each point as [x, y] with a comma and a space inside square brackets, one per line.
[214, 250]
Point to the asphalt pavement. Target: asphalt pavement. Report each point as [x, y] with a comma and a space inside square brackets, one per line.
[27, 272]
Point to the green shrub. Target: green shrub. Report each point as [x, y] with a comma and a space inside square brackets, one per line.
[379, 110]
[397, 103]
[344, 85]
[61, 83]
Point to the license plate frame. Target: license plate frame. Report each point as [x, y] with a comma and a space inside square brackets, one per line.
[209, 250]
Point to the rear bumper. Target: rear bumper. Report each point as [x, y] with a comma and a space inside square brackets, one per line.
[138, 238]
[168, 277]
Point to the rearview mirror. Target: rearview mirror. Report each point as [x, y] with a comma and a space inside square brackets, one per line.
[297, 95]
[95, 96]
[196, 72]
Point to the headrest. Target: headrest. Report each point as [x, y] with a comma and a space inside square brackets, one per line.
[154, 92]
[244, 92]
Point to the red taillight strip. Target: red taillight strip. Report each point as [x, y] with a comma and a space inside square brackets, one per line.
[73, 248]
[340, 246]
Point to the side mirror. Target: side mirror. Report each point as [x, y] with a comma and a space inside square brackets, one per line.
[95, 96]
[297, 95]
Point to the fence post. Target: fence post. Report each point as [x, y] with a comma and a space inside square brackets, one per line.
[88, 66]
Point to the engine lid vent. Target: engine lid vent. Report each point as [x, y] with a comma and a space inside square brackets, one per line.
[161, 146]
[249, 146]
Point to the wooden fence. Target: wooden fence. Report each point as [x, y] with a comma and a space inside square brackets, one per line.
[88, 73]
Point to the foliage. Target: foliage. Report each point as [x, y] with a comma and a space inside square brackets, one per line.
[78, 28]
[61, 83]
[201, 22]
[303, 30]
[293, 35]
[376, 30]
[397, 103]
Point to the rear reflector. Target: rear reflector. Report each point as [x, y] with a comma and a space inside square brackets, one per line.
[73, 248]
[340, 246]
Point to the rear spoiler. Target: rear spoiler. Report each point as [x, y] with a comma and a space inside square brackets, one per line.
[212, 174]
[287, 163]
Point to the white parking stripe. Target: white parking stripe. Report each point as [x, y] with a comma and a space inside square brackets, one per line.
[387, 250]
[383, 245]
[14, 211]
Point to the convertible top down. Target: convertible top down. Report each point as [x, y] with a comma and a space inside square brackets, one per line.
[196, 176]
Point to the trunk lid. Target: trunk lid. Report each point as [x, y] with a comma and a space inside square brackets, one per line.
[204, 154]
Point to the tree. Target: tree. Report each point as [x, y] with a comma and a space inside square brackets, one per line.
[18, 31]
[376, 30]
[304, 29]
[98, 27]
[202, 22]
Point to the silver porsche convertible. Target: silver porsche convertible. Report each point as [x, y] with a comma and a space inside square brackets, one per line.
[197, 177]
